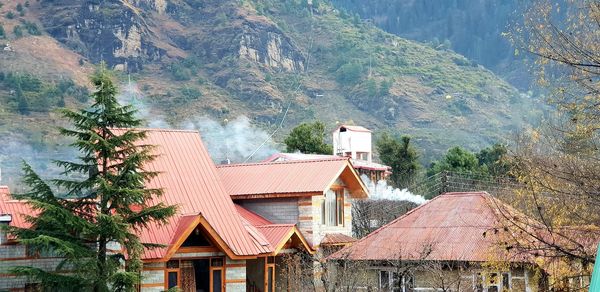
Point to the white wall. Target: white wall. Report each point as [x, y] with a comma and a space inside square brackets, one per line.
[351, 141]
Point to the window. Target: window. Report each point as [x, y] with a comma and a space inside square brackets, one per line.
[506, 281]
[491, 282]
[394, 282]
[173, 279]
[216, 274]
[216, 262]
[332, 208]
[362, 156]
[384, 280]
[270, 278]
[217, 280]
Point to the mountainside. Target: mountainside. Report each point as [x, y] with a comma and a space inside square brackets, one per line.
[472, 28]
[221, 59]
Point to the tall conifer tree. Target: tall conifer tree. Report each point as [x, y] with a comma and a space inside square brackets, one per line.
[87, 214]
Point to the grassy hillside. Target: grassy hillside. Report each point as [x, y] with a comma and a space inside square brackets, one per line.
[222, 59]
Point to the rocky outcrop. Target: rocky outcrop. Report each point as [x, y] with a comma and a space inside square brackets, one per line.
[111, 31]
[264, 43]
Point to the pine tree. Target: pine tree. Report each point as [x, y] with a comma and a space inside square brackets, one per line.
[79, 217]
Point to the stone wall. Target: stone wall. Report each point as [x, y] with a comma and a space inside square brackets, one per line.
[235, 275]
[16, 255]
[310, 219]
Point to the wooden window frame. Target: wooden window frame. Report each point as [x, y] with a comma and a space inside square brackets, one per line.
[167, 271]
[339, 193]
[266, 272]
[339, 208]
[212, 268]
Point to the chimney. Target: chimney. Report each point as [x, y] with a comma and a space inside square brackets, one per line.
[225, 162]
[5, 220]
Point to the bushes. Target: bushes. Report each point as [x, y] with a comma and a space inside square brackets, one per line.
[349, 73]
[18, 31]
[32, 28]
[20, 8]
[30, 94]
[2, 32]
[190, 93]
[179, 72]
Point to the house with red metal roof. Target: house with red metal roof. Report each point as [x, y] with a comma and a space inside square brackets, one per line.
[315, 194]
[354, 142]
[234, 224]
[446, 244]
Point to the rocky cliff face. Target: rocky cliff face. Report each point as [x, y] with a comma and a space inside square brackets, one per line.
[111, 31]
[264, 43]
[122, 33]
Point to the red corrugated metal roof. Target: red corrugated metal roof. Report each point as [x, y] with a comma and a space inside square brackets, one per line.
[288, 177]
[450, 227]
[16, 208]
[279, 157]
[276, 233]
[251, 217]
[337, 238]
[189, 179]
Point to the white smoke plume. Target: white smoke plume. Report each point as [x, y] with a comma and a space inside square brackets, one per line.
[234, 140]
[130, 94]
[16, 149]
[382, 191]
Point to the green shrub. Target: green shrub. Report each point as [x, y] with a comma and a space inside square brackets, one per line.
[371, 87]
[349, 73]
[384, 87]
[10, 15]
[190, 93]
[20, 7]
[2, 32]
[180, 72]
[32, 28]
[18, 31]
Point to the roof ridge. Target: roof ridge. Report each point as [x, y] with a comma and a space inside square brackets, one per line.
[276, 225]
[466, 193]
[336, 158]
[158, 129]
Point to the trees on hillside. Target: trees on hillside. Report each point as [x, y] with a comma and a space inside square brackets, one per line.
[308, 138]
[402, 156]
[456, 159]
[490, 161]
[90, 216]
